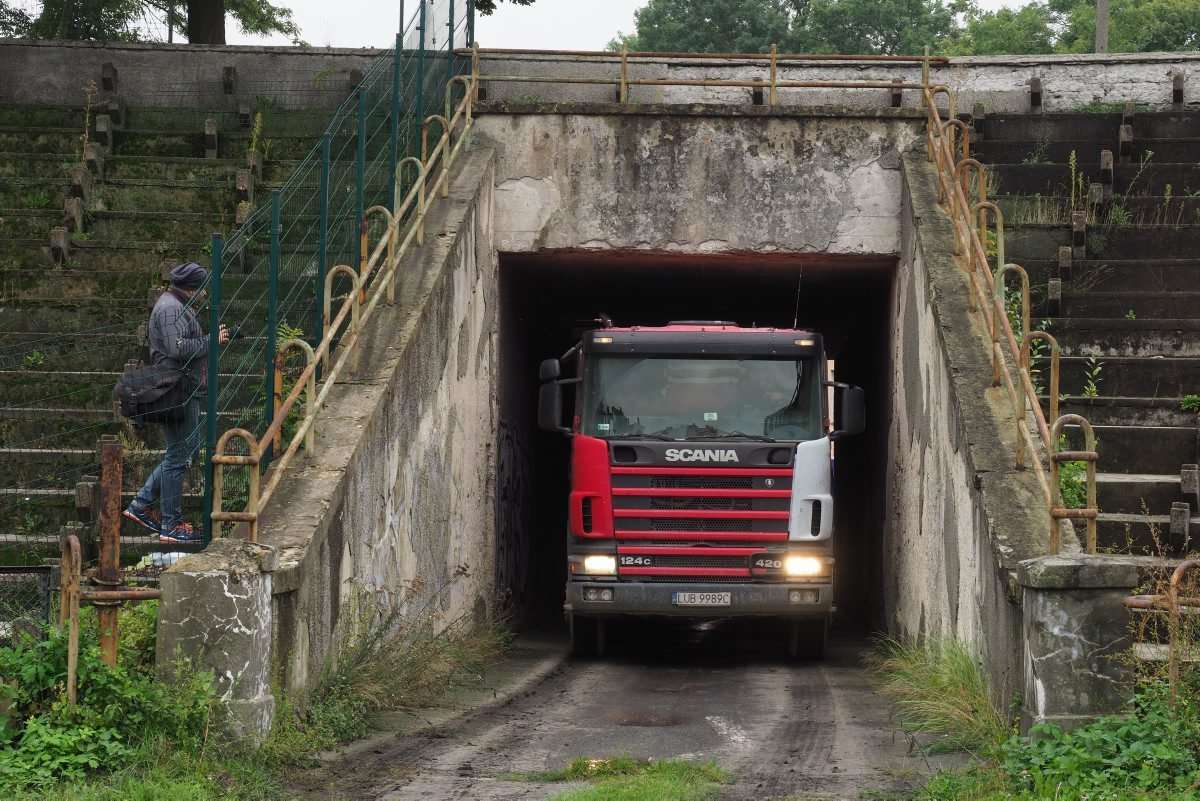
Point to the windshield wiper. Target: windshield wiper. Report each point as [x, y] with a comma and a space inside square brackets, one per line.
[738, 435]
[644, 436]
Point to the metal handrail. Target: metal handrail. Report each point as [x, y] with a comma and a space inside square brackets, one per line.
[970, 232]
[1173, 605]
[772, 60]
[382, 264]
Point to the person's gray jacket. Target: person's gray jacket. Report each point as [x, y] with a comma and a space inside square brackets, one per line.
[176, 339]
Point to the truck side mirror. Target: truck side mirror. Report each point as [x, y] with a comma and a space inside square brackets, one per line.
[851, 412]
[549, 370]
[550, 397]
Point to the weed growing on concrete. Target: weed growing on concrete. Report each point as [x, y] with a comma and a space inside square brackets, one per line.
[393, 658]
[1092, 377]
[1072, 480]
[1190, 403]
[940, 691]
[632, 779]
[34, 360]
[1130, 315]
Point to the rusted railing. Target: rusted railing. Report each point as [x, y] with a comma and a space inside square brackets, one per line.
[770, 62]
[1173, 605]
[948, 147]
[373, 282]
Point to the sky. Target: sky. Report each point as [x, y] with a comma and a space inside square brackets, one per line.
[546, 25]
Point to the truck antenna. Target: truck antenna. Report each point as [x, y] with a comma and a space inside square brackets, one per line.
[796, 316]
[603, 320]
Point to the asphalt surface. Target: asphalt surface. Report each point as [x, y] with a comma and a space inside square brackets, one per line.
[783, 730]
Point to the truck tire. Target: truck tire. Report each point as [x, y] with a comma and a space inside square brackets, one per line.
[588, 636]
[806, 640]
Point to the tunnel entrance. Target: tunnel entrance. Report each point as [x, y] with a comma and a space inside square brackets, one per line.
[549, 298]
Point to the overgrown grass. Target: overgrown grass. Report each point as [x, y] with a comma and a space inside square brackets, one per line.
[629, 779]
[940, 691]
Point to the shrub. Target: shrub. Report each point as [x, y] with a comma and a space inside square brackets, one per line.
[1114, 758]
[939, 689]
[43, 740]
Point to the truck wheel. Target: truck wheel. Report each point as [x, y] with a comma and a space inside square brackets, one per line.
[806, 640]
[588, 636]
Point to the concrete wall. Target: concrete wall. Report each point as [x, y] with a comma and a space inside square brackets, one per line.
[396, 506]
[191, 76]
[960, 517]
[696, 180]
[1001, 83]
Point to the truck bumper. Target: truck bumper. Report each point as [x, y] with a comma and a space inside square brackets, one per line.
[645, 599]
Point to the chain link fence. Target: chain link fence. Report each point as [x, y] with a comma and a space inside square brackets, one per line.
[25, 601]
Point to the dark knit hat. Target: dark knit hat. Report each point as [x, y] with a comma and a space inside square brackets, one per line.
[189, 276]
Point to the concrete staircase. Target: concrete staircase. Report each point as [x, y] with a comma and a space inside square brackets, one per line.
[148, 192]
[1119, 287]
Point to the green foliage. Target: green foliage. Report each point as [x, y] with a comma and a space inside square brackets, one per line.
[952, 27]
[33, 360]
[628, 779]
[1190, 403]
[1092, 377]
[1072, 480]
[1151, 749]
[939, 690]
[128, 20]
[488, 7]
[44, 741]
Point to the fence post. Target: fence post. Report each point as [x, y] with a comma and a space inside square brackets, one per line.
[450, 41]
[322, 242]
[109, 574]
[272, 320]
[395, 132]
[360, 172]
[214, 362]
[470, 23]
[420, 115]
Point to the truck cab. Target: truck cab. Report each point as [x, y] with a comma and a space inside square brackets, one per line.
[701, 476]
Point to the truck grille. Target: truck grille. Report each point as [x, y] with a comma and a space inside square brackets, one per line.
[701, 482]
[692, 524]
[729, 504]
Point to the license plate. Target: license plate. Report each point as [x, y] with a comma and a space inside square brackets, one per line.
[701, 599]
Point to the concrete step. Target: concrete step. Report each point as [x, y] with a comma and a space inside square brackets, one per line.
[1170, 210]
[42, 427]
[51, 285]
[1055, 179]
[1137, 376]
[1087, 151]
[126, 195]
[1080, 336]
[1110, 275]
[1160, 450]
[17, 116]
[29, 224]
[1049, 127]
[33, 193]
[1116, 410]
[1136, 493]
[91, 389]
[1126, 242]
[1129, 304]
[35, 165]
[1143, 534]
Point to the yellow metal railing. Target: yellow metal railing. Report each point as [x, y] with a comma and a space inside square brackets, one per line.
[770, 61]
[948, 147]
[373, 282]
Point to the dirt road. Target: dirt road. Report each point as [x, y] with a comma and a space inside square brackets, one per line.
[794, 731]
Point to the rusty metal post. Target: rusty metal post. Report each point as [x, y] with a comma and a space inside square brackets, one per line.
[1055, 361]
[774, 74]
[1058, 510]
[70, 567]
[109, 574]
[362, 263]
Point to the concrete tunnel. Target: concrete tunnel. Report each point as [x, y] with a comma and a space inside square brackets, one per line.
[548, 298]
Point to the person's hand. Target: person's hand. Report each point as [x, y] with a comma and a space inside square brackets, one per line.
[223, 335]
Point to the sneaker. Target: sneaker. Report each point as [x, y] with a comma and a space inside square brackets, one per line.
[182, 533]
[146, 518]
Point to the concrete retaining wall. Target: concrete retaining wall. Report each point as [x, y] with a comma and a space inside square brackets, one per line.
[311, 77]
[696, 180]
[396, 507]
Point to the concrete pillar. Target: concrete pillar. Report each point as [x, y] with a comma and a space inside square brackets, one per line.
[216, 613]
[1077, 635]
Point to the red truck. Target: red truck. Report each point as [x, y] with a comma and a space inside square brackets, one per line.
[701, 476]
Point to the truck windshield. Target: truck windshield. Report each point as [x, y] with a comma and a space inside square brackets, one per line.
[701, 398]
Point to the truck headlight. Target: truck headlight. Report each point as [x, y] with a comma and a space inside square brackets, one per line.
[803, 566]
[599, 565]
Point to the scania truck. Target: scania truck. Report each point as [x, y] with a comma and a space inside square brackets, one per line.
[701, 475]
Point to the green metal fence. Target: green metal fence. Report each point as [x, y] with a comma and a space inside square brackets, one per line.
[268, 279]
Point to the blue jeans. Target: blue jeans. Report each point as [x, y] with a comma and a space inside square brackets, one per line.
[165, 484]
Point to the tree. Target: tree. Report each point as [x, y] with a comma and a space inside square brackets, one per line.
[488, 7]
[1135, 26]
[128, 20]
[1021, 31]
[889, 27]
[710, 26]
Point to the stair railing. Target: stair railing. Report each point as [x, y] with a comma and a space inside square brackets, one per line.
[952, 160]
[373, 284]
